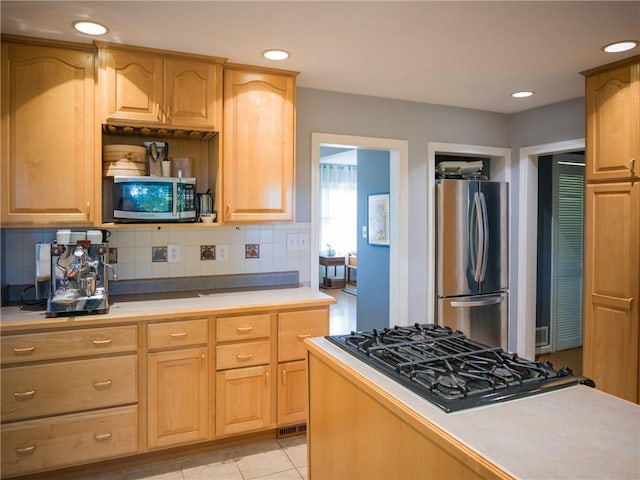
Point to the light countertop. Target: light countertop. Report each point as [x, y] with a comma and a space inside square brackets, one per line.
[572, 433]
[14, 318]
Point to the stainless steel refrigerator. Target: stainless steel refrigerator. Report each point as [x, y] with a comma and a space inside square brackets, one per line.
[472, 277]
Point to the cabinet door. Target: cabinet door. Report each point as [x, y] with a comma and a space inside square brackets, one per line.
[131, 85]
[243, 400]
[191, 94]
[613, 123]
[612, 290]
[178, 392]
[47, 135]
[292, 392]
[258, 153]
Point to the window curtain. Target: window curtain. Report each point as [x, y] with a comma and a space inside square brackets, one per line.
[339, 201]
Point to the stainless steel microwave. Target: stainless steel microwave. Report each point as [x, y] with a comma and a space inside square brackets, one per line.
[150, 199]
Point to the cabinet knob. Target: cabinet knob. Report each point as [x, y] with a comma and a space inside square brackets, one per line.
[25, 450]
[102, 384]
[23, 350]
[24, 395]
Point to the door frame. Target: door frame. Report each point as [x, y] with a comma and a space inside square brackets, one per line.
[528, 239]
[398, 213]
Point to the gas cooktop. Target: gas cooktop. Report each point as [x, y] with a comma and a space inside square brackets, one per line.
[451, 370]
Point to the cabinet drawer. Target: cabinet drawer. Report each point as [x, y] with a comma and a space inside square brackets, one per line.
[68, 343]
[243, 328]
[243, 354]
[177, 334]
[37, 445]
[294, 327]
[39, 390]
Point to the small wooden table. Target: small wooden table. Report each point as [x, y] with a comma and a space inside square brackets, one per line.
[335, 262]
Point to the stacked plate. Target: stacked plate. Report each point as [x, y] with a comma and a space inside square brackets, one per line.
[125, 160]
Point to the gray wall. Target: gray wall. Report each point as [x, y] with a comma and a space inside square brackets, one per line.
[329, 112]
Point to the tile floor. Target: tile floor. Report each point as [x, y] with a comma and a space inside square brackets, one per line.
[279, 459]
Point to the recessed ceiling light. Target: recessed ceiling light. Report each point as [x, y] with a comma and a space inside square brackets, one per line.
[90, 28]
[274, 54]
[620, 46]
[523, 94]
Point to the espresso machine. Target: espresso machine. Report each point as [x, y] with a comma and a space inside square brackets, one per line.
[79, 278]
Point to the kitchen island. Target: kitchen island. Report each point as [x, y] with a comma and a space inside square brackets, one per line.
[363, 424]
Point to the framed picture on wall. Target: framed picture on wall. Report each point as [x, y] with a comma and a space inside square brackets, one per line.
[378, 219]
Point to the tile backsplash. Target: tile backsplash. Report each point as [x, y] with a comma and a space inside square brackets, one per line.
[163, 252]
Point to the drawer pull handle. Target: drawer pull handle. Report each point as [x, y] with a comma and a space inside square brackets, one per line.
[178, 335]
[20, 350]
[105, 341]
[302, 336]
[104, 384]
[24, 395]
[25, 450]
[244, 329]
[246, 356]
[100, 437]
[284, 376]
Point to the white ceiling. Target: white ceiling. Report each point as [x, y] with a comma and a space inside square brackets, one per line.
[465, 54]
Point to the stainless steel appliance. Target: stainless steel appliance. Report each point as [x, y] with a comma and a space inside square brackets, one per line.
[451, 370]
[150, 199]
[472, 277]
[79, 278]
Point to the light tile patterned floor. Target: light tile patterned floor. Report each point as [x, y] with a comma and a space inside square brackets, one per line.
[281, 459]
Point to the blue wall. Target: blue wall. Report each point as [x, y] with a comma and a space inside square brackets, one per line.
[373, 260]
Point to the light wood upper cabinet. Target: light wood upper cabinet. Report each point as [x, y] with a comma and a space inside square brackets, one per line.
[48, 134]
[258, 166]
[613, 121]
[156, 87]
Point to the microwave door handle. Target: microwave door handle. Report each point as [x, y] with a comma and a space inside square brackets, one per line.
[175, 198]
[485, 236]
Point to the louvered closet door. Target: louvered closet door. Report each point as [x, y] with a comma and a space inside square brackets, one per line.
[568, 208]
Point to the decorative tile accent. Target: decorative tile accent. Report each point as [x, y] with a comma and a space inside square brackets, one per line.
[252, 250]
[207, 252]
[159, 254]
[113, 255]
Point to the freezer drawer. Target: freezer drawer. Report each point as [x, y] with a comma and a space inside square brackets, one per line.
[483, 318]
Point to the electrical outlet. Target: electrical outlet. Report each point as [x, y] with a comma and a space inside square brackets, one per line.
[303, 241]
[173, 253]
[222, 252]
[292, 241]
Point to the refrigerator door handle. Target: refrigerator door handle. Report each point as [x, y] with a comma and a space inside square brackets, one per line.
[477, 233]
[485, 237]
[477, 303]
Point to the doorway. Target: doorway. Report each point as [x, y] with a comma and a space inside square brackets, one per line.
[559, 269]
[527, 238]
[398, 213]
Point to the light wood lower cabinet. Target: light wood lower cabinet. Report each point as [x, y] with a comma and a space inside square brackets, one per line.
[243, 399]
[178, 398]
[38, 445]
[177, 383]
[292, 392]
[612, 288]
